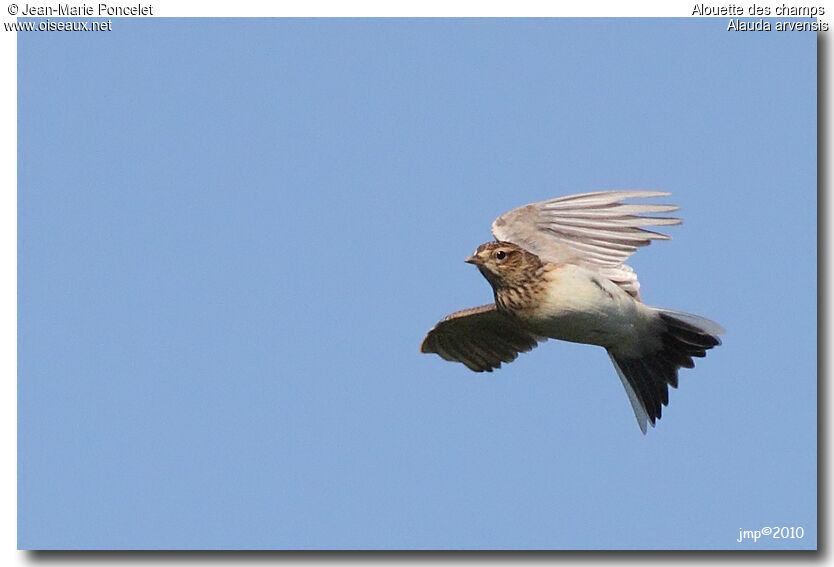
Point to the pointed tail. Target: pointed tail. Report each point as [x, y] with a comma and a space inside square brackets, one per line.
[647, 378]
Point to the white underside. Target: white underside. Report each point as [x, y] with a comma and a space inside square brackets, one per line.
[582, 306]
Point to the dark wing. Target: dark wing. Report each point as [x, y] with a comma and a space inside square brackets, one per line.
[594, 229]
[481, 338]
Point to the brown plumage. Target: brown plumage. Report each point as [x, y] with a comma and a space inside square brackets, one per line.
[557, 271]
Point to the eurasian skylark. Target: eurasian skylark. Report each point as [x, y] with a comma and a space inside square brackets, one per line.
[556, 270]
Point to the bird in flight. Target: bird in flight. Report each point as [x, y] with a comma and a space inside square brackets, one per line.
[557, 271]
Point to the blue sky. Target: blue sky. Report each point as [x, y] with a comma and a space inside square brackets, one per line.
[233, 235]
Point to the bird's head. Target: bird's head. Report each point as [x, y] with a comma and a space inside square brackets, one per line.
[504, 263]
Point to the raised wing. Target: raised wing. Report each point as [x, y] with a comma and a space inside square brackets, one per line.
[481, 338]
[594, 229]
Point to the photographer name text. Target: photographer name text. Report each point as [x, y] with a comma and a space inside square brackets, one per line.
[86, 10]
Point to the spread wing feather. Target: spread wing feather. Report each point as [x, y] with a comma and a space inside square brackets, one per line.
[481, 338]
[595, 229]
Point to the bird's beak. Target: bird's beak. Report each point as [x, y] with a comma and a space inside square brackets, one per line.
[473, 260]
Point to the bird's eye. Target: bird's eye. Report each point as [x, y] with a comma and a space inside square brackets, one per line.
[500, 255]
